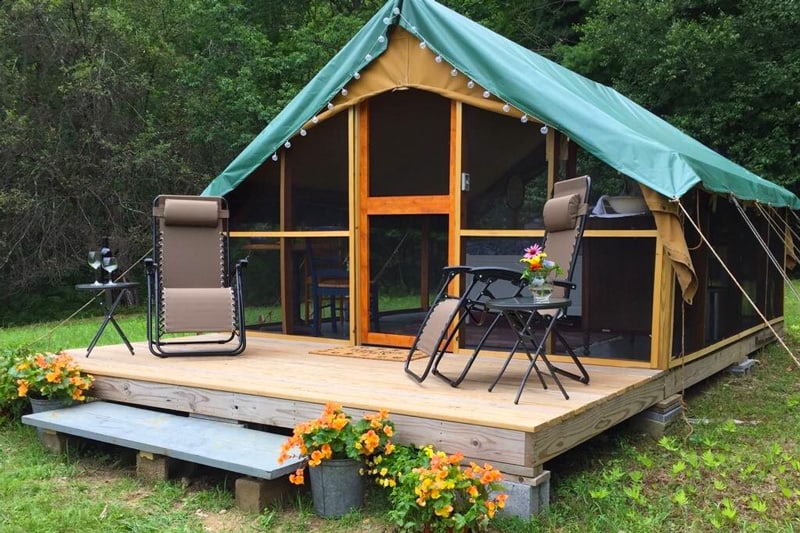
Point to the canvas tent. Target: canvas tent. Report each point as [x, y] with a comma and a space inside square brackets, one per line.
[603, 122]
[607, 124]
[324, 140]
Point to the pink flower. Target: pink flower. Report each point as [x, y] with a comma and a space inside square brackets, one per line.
[532, 251]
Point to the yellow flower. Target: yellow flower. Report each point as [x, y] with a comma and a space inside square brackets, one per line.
[444, 511]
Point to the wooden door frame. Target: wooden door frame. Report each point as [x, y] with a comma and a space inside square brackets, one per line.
[365, 206]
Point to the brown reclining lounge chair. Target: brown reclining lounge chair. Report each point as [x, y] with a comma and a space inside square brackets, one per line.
[189, 286]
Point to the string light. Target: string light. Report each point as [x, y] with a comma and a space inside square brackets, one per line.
[274, 157]
[486, 94]
[357, 75]
[523, 119]
[288, 144]
[368, 57]
[303, 133]
[470, 84]
[330, 105]
[506, 108]
[454, 73]
[438, 59]
[314, 119]
[387, 20]
[396, 10]
[344, 92]
[423, 45]
[381, 39]
[543, 130]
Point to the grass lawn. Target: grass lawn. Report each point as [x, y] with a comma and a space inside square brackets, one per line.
[732, 463]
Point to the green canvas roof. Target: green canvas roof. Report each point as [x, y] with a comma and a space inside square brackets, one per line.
[608, 125]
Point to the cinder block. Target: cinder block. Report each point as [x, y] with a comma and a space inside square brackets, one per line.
[654, 423]
[742, 368]
[253, 495]
[152, 467]
[52, 441]
[528, 498]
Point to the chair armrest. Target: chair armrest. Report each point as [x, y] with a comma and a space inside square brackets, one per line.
[503, 273]
[456, 269]
[564, 283]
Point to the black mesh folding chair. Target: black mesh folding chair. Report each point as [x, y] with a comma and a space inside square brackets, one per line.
[448, 313]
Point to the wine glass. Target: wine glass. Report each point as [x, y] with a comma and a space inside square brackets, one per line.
[109, 265]
[94, 260]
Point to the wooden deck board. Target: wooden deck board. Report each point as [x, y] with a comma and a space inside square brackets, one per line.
[278, 382]
[286, 370]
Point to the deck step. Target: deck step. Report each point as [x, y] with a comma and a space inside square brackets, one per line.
[197, 440]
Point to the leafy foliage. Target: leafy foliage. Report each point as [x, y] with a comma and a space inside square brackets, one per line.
[723, 71]
[107, 103]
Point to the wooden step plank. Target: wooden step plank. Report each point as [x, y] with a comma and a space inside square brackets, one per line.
[207, 442]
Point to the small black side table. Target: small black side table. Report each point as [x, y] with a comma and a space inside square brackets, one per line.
[520, 313]
[107, 288]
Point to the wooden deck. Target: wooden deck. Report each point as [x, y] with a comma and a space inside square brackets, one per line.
[277, 382]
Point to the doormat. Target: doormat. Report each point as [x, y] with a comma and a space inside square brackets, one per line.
[370, 352]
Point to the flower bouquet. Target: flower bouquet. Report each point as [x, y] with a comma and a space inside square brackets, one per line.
[536, 272]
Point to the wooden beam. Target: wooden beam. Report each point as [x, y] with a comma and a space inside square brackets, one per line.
[663, 309]
[480, 442]
[404, 205]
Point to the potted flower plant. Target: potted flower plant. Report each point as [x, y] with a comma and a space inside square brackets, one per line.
[336, 446]
[536, 271]
[49, 376]
[432, 492]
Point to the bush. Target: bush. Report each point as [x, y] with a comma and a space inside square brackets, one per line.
[11, 404]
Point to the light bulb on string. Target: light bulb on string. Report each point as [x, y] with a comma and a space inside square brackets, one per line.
[523, 119]
[486, 94]
[368, 57]
[423, 45]
[274, 157]
[506, 108]
[381, 39]
[387, 20]
[303, 133]
[344, 92]
[454, 73]
[543, 130]
[330, 105]
[314, 119]
[287, 144]
[438, 59]
[396, 11]
[357, 75]
[470, 84]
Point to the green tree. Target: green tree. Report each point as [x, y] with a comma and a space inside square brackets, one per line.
[724, 71]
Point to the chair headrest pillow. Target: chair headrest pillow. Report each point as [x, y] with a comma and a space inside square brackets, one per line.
[184, 212]
[561, 213]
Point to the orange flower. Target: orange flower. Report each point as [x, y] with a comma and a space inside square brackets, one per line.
[297, 478]
[22, 388]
